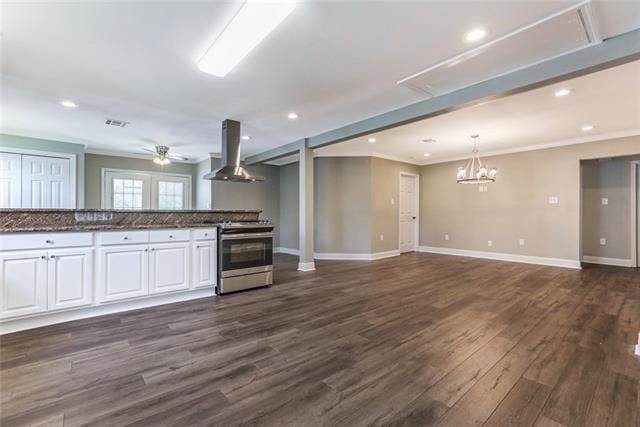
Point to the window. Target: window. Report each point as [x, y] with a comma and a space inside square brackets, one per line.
[145, 190]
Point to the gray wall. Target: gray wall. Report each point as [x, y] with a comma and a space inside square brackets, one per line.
[25, 143]
[516, 204]
[385, 216]
[203, 187]
[289, 206]
[95, 162]
[342, 201]
[611, 179]
[256, 195]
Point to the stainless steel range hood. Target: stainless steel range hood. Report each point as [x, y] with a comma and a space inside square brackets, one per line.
[231, 169]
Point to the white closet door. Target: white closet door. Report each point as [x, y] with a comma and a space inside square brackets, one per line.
[10, 180]
[46, 182]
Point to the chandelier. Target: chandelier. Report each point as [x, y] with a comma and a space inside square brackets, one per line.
[475, 172]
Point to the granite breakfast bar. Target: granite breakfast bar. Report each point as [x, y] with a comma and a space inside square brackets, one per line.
[58, 265]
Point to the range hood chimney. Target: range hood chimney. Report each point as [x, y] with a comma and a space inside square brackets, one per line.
[231, 169]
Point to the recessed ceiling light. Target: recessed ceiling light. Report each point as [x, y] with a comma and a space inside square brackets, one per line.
[427, 154]
[68, 104]
[475, 35]
[371, 140]
[563, 92]
[253, 22]
[587, 128]
[428, 141]
[292, 116]
[246, 137]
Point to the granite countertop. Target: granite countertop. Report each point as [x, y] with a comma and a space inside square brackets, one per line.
[102, 227]
[128, 211]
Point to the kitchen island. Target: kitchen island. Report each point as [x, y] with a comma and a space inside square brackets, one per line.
[58, 265]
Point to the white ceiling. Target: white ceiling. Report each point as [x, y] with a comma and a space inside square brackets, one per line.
[608, 100]
[332, 62]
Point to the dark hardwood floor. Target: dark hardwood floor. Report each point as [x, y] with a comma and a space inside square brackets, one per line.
[419, 339]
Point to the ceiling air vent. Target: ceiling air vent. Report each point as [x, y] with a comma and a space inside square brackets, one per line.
[567, 31]
[118, 123]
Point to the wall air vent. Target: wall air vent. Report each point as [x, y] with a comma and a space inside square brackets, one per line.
[567, 31]
[118, 123]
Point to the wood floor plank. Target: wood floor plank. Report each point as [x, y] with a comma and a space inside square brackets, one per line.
[420, 339]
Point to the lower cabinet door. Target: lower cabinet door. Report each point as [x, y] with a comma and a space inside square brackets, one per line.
[23, 283]
[168, 269]
[204, 263]
[123, 272]
[70, 278]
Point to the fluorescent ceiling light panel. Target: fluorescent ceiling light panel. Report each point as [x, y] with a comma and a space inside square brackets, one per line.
[253, 22]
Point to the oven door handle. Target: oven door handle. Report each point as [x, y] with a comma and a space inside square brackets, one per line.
[245, 236]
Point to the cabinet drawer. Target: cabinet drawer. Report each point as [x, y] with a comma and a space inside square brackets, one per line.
[123, 237]
[18, 241]
[205, 234]
[173, 235]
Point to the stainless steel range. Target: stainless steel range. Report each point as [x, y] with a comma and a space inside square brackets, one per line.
[245, 256]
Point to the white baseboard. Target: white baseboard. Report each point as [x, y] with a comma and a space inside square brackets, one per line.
[341, 256]
[36, 321]
[306, 266]
[288, 251]
[356, 257]
[618, 262]
[555, 262]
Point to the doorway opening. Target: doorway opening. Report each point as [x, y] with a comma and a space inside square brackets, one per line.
[408, 208]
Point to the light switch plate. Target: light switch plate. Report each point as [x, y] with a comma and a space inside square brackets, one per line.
[446, 237]
[554, 200]
[382, 237]
[393, 202]
[605, 201]
[521, 242]
[603, 241]
[489, 243]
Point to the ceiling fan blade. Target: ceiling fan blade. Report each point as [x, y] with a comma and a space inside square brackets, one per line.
[178, 157]
[149, 150]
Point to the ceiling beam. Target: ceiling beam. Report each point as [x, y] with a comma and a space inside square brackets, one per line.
[276, 153]
[614, 51]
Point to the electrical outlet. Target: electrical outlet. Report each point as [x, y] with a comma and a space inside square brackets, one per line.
[603, 241]
[446, 237]
[382, 237]
[554, 200]
[605, 201]
[489, 243]
[521, 242]
[393, 202]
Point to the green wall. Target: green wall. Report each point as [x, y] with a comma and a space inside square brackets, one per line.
[95, 162]
[25, 143]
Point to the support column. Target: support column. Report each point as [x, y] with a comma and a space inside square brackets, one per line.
[306, 210]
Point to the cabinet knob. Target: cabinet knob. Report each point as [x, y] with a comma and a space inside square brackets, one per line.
[206, 234]
[43, 257]
[126, 238]
[171, 236]
[146, 250]
[52, 256]
[49, 241]
[153, 249]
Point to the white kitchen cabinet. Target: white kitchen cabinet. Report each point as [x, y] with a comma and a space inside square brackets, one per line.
[168, 267]
[69, 278]
[204, 264]
[123, 272]
[23, 283]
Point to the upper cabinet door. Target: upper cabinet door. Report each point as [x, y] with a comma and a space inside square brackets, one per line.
[46, 182]
[23, 283]
[10, 180]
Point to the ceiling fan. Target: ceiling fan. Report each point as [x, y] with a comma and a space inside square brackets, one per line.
[162, 155]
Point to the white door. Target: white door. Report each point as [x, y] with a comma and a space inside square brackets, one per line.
[168, 267]
[69, 278]
[408, 214]
[204, 264]
[10, 180]
[23, 283]
[123, 272]
[45, 182]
